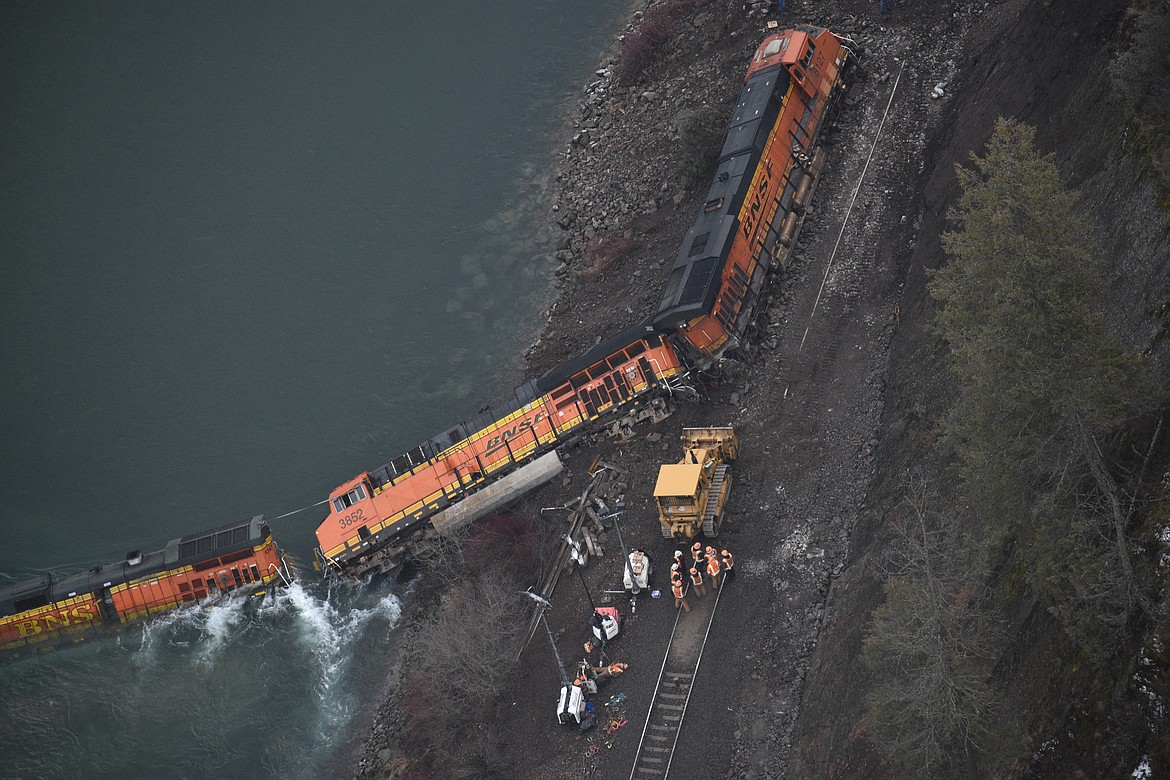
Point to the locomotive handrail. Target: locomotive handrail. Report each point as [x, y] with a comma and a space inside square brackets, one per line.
[280, 571]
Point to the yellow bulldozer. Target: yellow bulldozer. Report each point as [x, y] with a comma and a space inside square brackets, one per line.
[692, 493]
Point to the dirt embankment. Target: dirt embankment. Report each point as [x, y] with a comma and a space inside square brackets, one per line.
[836, 404]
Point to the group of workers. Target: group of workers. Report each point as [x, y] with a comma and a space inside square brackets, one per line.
[706, 563]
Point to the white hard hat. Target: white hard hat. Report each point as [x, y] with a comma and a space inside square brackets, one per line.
[674, 567]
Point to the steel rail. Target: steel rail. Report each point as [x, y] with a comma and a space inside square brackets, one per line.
[658, 686]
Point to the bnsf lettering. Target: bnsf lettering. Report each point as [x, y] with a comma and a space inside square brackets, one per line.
[29, 627]
[51, 621]
[84, 613]
[496, 442]
[756, 207]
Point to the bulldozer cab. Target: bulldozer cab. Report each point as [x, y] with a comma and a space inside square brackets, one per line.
[678, 487]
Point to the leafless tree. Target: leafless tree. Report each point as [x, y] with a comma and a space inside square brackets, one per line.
[457, 657]
[931, 648]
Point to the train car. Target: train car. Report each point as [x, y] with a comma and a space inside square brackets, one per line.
[189, 569]
[767, 168]
[374, 516]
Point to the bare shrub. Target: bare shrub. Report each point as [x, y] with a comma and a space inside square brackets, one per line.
[931, 649]
[509, 541]
[442, 556]
[457, 658]
[456, 662]
[642, 47]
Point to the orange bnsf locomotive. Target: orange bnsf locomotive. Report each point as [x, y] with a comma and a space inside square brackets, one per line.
[767, 169]
[192, 568]
[375, 516]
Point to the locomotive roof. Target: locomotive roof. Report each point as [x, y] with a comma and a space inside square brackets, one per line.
[557, 376]
[524, 394]
[19, 591]
[695, 277]
[521, 396]
[756, 112]
[694, 280]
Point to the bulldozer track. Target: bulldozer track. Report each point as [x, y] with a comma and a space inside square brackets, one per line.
[668, 705]
[711, 522]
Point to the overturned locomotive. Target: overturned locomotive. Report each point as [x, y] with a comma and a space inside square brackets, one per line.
[45, 609]
[767, 170]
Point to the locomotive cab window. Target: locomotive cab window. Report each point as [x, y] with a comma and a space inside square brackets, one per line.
[775, 47]
[808, 55]
[350, 498]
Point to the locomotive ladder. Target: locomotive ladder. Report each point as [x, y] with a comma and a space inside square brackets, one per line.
[668, 706]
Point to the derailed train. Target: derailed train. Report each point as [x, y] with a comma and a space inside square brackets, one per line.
[238, 557]
[767, 170]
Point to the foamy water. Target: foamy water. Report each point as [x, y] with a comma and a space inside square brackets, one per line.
[188, 689]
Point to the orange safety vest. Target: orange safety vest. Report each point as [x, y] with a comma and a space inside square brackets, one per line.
[677, 587]
[728, 561]
[696, 576]
[713, 567]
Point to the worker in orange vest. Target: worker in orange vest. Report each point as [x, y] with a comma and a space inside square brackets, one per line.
[728, 566]
[675, 573]
[697, 578]
[613, 670]
[697, 554]
[713, 567]
[680, 598]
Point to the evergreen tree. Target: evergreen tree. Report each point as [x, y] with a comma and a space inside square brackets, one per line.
[1042, 381]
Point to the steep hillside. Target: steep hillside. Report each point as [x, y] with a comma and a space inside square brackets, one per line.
[1082, 73]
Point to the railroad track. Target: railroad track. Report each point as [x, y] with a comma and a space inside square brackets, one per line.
[668, 706]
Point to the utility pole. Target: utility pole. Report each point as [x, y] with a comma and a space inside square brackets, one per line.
[621, 510]
[588, 595]
[543, 605]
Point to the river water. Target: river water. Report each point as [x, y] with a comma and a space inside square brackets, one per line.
[246, 251]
